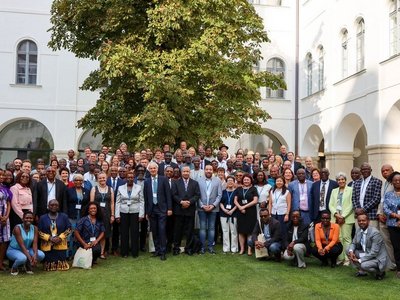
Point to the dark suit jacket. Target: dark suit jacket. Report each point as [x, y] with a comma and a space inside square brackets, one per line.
[372, 196]
[72, 200]
[179, 193]
[118, 184]
[161, 167]
[163, 195]
[315, 194]
[42, 195]
[274, 229]
[297, 166]
[302, 234]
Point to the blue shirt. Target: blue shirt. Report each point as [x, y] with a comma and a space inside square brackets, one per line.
[87, 230]
[391, 204]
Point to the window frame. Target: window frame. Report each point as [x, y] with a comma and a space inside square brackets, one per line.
[279, 93]
[27, 77]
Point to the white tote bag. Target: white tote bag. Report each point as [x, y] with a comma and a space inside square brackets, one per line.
[83, 258]
[263, 252]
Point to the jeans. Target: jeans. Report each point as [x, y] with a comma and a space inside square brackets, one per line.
[207, 227]
[19, 258]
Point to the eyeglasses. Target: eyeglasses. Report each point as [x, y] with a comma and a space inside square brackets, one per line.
[78, 180]
[266, 216]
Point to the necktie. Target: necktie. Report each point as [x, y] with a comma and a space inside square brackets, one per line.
[186, 185]
[114, 184]
[363, 244]
[322, 195]
[154, 190]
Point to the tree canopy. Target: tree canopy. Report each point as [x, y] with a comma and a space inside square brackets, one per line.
[169, 70]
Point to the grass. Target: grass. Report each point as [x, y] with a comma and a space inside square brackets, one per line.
[198, 277]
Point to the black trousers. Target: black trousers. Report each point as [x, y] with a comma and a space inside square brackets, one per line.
[158, 225]
[183, 225]
[332, 254]
[143, 233]
[394, 233]
[96, 252]
[170, 231]
[115, 236]
[129, 228]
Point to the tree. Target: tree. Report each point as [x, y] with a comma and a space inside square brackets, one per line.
[169, 70]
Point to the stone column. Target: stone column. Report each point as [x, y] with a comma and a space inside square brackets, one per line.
[339, 162]
[383, 154]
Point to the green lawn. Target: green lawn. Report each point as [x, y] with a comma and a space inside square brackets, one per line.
[199, 277]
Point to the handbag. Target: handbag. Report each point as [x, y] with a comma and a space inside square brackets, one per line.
[83, 258]
[263, 252]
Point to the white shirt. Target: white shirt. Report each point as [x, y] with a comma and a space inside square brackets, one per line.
[279, 205]
[321, 208]
[51, 190]
[363, 188]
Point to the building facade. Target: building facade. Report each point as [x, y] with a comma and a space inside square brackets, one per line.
[339, 59]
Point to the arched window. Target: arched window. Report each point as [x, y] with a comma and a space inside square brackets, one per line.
[276, 66]
[26, 62]
[321, 67]
[26, 139]
[345, 53]
[309, 70]
[88, 140]
[393, 28]
[360, 44]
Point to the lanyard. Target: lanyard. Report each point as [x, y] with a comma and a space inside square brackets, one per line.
[244, 193]
[129, 195]
[229, 197]
[93, 226]
[276, 198]
[52, 186]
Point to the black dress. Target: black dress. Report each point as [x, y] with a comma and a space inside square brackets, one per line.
[247, 220]
[104, 200]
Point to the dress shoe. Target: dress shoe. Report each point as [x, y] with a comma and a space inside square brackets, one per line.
[176, 252]
[211, 251]
[361, 274]
[155, 254]
[163, 257]
[380, 276]
[202, 251]
[189, 252]
[143, 249]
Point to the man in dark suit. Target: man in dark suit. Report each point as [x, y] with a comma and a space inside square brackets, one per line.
[48, 189]
[166, 163]
[367, 194]
[115, 182]
[158, 205]
[186, 193]
[320, 194]
[294, 165]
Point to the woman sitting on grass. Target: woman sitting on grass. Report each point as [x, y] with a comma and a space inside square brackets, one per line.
[23, 248]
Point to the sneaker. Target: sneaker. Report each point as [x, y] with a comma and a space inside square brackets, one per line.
[211, 251]
[28, 269]
[14, 272]
[202, 251]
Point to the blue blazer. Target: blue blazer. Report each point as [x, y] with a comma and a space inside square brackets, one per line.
[294, 190]
[164, 198]
[72, 200]
[315, 193]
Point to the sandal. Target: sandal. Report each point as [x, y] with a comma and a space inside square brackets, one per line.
[102, 256]
[14, 272]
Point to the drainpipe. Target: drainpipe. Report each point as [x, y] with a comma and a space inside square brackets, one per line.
[296, 86]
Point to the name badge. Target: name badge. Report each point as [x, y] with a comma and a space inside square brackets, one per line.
[398, 212]
[102, 204]
[78, 206]
[128, 203]
[154, 195]
[228, 206]
[338, 208]
[92, 239]
[244, 201]
[361, 254]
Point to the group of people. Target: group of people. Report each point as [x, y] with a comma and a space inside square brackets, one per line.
[109, 203]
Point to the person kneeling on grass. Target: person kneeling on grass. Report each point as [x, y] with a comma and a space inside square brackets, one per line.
[90, 230]
[23, 248]
[297, 240]
[367, 252]
[272, 232]
[327, 243]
